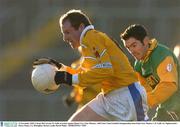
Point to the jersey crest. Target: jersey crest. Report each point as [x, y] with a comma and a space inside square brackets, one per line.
[96, 53]
[169, 67]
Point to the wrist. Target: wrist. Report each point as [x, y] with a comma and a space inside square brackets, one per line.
[63, 77]
[75, 79]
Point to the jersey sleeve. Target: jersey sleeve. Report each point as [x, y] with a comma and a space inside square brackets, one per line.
[167, 72]
[161, 93]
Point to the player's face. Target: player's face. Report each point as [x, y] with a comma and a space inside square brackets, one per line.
[70, 34]
[136, 47]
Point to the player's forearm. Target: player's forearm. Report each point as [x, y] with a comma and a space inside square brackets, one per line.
[161, 93]
[71, 70]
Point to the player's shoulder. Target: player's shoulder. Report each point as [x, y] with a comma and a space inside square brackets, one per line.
[95, 34]
[93, 37]
[160, 53]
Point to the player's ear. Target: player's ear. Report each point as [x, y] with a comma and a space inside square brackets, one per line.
[81, 27]
[146, 40]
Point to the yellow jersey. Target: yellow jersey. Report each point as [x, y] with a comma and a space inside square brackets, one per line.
[103, 62]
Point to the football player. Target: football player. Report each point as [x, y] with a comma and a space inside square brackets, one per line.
[158, 71]
[122, 97]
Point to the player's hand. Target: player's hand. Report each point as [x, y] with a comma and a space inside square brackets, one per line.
[63, 77]
[47, 61]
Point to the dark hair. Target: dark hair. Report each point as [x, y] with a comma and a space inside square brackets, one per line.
[76, 17]
[137, 31]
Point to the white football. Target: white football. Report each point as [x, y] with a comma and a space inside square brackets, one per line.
[43, 78]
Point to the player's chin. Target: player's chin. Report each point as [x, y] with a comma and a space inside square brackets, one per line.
[74, 46]
[137, 57]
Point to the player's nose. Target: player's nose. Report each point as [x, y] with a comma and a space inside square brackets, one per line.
[65, 38]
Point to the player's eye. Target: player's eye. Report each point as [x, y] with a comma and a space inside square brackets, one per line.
[66, 32]
[134, 45]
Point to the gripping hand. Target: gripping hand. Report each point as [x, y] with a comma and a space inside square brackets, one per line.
[47, 61]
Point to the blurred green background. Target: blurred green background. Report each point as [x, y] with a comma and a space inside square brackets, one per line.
[29, 29]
